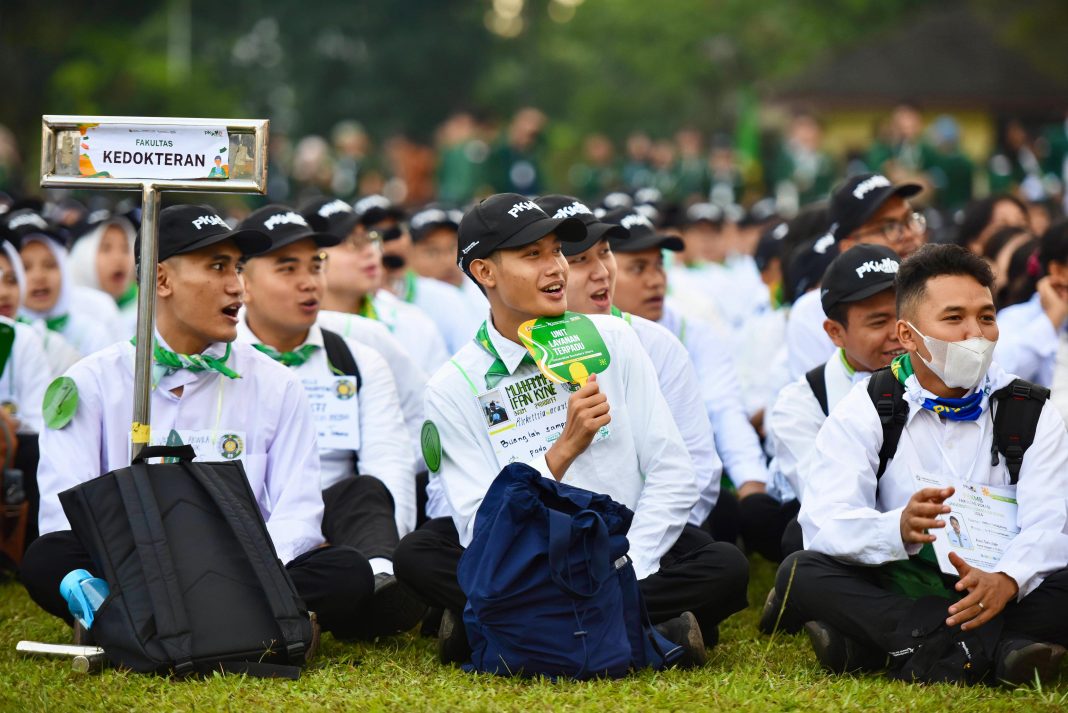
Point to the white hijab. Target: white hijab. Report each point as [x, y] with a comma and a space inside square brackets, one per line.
[16, 265]
[62, 305]
[82, 261]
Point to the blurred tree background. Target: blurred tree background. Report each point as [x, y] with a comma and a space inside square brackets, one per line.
[604, 65]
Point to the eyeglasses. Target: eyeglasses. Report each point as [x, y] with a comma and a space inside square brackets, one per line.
[894, 231]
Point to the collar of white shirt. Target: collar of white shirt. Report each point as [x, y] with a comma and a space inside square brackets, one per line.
[509, 352]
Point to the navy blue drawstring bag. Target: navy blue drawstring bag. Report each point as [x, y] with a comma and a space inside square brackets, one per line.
[550, 588]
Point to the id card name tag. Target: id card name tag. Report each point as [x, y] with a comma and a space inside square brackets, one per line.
[525, 416]
[335, 410]
[220, 445]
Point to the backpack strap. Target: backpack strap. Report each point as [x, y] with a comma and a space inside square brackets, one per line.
[818, 383]
[340, 356]
[1019, 406]
[888, 396]
[256, 544]
[161, 579]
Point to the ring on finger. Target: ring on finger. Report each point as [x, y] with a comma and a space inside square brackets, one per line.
[981, 607]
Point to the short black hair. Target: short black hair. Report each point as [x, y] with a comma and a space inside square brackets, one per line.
[1054, 245]
[839, 312]
[934, 260]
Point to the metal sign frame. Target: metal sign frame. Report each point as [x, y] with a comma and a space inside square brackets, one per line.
[150, 188]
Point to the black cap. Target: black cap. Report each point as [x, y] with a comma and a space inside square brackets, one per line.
[808, 262]
[704, 213]
[858, 273]
[373, 209]
[558, 206]
[185, 228]
[18, 224]
[857, 200]
[641, 235]
[330, 215]
[431, 217]
[508, 220]
[285, 226]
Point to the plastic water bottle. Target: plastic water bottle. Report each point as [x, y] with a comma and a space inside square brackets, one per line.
[84, 594]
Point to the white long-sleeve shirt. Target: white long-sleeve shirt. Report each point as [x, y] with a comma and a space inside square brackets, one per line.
[643, 464]
[736, 441]
[795, 419]
[264, 414]
[415, 330]
[25, 378]
[847, 514]
[381, 452]
[408, 376]
[680, 387]
[452, 311]
[1027, 341]
[806, 342]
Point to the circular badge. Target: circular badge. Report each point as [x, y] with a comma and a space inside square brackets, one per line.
[11, 407]
[230, 446]
[431, 443]
[60, 402]
[345, 389]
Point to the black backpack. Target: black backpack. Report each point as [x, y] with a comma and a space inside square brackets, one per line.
[1017, 408]
[195, 583]
[339, 356]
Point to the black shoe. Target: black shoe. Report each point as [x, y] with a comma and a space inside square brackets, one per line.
[684, 631]
[769, 615]
[1021, 660]
[838, 653]
[452, 639]
[394, 607]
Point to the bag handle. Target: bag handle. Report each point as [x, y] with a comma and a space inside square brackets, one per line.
[281, 596]
[182, 453]
[161, 580]
[593, 534]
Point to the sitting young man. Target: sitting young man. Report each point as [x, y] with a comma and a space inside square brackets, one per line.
[861, 585]
[203, 384]
[591, 284]
[511, 248]
[367, 472]
[858, 298]
[641, 285]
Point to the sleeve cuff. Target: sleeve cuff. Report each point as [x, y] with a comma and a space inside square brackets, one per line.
[891, 521]
[748, 473]
[542, 467]
[1026, 581]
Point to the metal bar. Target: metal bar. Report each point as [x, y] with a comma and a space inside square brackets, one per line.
[73, 121]
[140, 428]
[205, 185]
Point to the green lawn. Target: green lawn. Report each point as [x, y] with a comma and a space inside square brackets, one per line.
[746, 672]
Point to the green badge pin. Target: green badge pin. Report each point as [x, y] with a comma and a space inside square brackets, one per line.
[60, 402]
[567, 348]
[7, 340]
[431, 443]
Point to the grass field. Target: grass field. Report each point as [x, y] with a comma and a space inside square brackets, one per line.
[746, 672]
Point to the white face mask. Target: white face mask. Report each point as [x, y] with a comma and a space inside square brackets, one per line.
[960, 365]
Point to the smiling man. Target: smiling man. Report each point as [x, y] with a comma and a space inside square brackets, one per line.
[617, 437]
[224, 397]
[865, 210]
[868, 586]
[359, 419]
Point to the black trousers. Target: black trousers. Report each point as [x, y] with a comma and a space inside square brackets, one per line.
[761, 521]
[359, 513]
[850, 599]
[698, 574]
[335, 582]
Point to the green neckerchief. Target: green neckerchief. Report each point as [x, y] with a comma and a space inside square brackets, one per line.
[776, 296]
[409, 286]
[297, 357]
[128, 297]
[172, 361]
[497, 369]
[367, 308]
[616, 311]
[901, 368]
[54, 324]
[845, 362]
